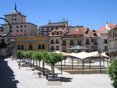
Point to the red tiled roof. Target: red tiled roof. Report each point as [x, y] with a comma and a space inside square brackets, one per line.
[91, 33]
[76, 31]
[111, 25]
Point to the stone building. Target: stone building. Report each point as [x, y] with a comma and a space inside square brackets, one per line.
[24, 35]
[19, 25]
[45, 29]
[55, 41]
[112, 42]
[103, 31]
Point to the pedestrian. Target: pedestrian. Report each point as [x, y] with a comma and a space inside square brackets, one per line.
[19, 64]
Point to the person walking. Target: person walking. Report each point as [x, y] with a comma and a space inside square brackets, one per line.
[19, 64]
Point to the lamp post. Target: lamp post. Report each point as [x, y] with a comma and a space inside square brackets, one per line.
[13, 47]
[100, 57]
[4, 33]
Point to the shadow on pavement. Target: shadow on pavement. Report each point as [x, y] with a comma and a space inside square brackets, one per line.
[65, 79]
[7, 77]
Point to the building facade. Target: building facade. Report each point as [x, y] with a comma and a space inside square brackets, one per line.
[19, 25]
[104, 34]
[91, 40]
[25, 35]
[39, 43]
[55, 41]
[112, 42]
[46, 29]
[73, 37]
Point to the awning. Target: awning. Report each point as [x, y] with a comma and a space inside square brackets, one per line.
[77, 48]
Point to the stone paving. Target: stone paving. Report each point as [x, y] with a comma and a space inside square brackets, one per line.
[26, 78]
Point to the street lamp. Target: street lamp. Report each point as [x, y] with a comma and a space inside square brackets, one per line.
[13, 47]
[4, 33]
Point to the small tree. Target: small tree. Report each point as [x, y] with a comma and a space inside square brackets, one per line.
[38, 56]
[112, 71]
[19, 54]
[52, 59]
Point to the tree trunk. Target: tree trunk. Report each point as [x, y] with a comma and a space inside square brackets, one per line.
[33, 62]
[52, 66]
[36, 62]
[43, 68]
[39, 65]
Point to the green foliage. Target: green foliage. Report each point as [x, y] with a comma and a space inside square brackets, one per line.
[37, 55]
[25, 54]
[53, 58]
[19, 54]
[112, 71]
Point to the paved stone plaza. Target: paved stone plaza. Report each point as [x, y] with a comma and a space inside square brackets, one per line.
[13, 77]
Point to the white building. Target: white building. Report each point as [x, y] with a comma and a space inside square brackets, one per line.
[103, 31]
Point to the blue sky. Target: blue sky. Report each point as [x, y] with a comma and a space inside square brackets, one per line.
[89, 13]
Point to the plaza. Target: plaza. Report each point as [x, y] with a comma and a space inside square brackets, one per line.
[25, 77]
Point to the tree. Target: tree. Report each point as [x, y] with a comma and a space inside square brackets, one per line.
[19, 54]
[112, 71]
[52, 59]
[38, 56]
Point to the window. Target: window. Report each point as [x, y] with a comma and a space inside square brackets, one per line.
[87, 42]
[52, 33]
[52, 41]
[17, 26]
[43, 46]
[21, 26]
[57, 47]
[71, 43]
[30, 47]
[21, 30]
[17, 30]
[105, 41]
[52, 47]
[57, 33]
[22, 47]
[57, 41]
[64, 43]
[95, 41]
[39, 46]
[18, 47]
[79, 42]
